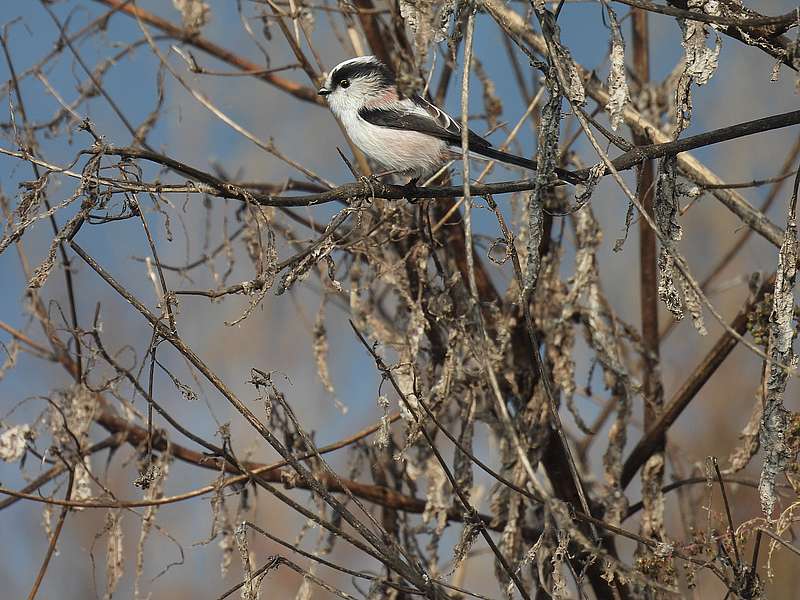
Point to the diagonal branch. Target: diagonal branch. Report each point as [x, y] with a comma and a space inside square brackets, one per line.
[53, 539]
[194, 39]
[691, 387]
[372, 189]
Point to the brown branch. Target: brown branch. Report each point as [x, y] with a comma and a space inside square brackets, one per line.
[786, 171]
[767, 25]
[136, 436]
[715, 136]
[276, 472]
[194, 39]
[652, 392]
[780, 540]
[625, 161]
[650, 442]
[53, 539]
[59, 468]
[371, 25]
[634, 508]
[22, 337]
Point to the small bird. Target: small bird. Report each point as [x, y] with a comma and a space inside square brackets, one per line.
[407, 136]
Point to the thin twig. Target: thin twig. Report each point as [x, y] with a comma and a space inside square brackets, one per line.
[53, 539]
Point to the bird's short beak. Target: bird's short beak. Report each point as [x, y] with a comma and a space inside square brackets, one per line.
[323, 91]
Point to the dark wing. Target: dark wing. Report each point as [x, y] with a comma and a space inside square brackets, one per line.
[426, 119]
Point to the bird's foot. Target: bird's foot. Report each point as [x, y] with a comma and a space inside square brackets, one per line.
[370, 181]
[410, 189]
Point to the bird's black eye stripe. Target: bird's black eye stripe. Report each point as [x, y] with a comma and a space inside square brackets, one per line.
[345, 83]
[352, 71]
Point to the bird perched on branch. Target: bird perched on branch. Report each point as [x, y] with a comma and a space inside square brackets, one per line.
[407, 136]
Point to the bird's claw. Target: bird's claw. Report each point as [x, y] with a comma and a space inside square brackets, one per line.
[370, 181]
[409, 189]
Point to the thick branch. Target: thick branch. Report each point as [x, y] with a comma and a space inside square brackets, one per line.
[764, 25]
[377, 189]
[653, 394]
[651, 441]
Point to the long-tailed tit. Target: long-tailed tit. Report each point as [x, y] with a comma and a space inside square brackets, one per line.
[404, 135]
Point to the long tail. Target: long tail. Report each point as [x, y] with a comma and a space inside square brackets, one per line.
[522, 162]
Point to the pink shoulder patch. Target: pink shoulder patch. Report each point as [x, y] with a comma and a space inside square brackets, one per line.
[388, 98]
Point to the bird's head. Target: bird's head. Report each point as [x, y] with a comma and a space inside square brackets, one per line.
[358, 82]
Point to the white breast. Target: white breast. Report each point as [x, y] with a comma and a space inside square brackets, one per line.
[408, 152]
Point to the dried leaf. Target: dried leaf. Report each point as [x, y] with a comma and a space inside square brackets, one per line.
[776, 418]
[666, 203]
[321, 353]
[32, 197]
[569, 75]
[469, 533]
[82, 486]
[667, 292]
[694, 306]
[250, 588]
[560, 556]
[383, 437]
[77, 406]
[575, 91]
[743, 453]
[561, 334]
[529, 557]
[535, 232]
[547, 155]
[666, 218]
[299, 271]
[42, 272]
[511, 542]
[47, 520]
[438, 495]
[602, 337]
[652, 497]
[427, 20]
[194, 13]
[462, 464]
[13, 442]
[700, 61]
[618, 92]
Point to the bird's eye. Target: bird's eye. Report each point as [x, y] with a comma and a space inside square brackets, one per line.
[345, 83]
